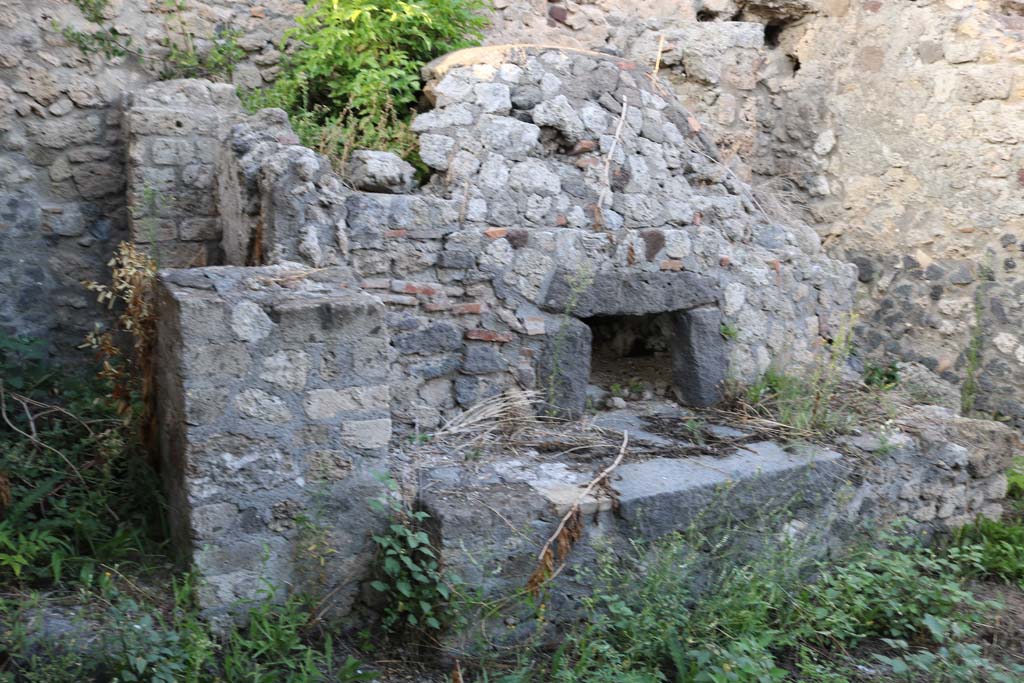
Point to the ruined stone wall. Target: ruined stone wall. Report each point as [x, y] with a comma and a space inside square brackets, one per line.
[893, 128]
[920, 141]
[565, 185]
[62, 144]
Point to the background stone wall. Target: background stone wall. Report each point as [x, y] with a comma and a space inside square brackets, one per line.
[893, 128]
[62, 144]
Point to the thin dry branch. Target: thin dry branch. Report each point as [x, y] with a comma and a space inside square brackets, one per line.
[607, 189]
[570, 528]
[32, 437]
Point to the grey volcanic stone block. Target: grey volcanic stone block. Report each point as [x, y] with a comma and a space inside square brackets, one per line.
[663, 495]
[699, 360]
[628, 293]
[494, 547]
[372, 171]
[273, 404]
[563, 371]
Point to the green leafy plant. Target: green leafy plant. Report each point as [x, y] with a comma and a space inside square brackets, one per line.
[897, 590]
[31, 554]
[275, 649]
[74, 486]
[353, 53]
[182, 58]
[729, 331]
[952, 662]
[353, 73]
[882, 376]
[1000, 547]
[185, 60]
[408, 571]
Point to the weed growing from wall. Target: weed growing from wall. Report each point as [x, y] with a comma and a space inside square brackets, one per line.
[408, 570]
[812, 402]
[354, 74]
[182, 58]
[130, 376]
[969, 389]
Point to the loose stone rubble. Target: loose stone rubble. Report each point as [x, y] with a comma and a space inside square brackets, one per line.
[577, 225]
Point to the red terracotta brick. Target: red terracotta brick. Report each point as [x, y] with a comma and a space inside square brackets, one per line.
[488, 335]
[583, 147]
[395, 234]
[424, 288]
[671, 264]
[468, 309]
[495, 233]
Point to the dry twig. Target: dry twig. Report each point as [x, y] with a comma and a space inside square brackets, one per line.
[607, 189]
[570, 528]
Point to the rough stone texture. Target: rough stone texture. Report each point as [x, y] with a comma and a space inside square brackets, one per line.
[699, 360]
[903, 151]
[567, 184]
[940, 471]
[62, 148]
[476, 283]
[274, 405]
[526, 225]
[371, 171]
[892, 128]
[174, 129]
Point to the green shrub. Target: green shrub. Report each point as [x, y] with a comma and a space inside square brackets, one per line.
[355, 53]
[897, 590]
[75, 487]
[1000, 546]
[667, 614]
[354, 74]
[408, 571]
[138, 642]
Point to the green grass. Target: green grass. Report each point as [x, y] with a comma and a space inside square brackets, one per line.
[75, 485]
[1001, 544]
[82, 533]
[659, 617]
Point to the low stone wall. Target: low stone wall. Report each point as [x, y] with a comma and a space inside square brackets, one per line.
[356, 309]
[274, 422]
[565, 185]
[491, 517]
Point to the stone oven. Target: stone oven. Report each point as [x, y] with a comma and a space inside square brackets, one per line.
[576, 221]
